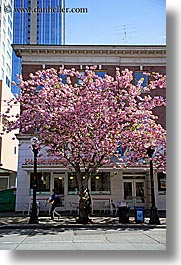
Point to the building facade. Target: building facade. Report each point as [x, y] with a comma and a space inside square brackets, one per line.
[6, 38]
[36, 23]
[8, 147]
[131, 185]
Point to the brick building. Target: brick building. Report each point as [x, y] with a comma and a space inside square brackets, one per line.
[126, 184]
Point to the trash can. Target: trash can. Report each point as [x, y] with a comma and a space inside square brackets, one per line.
[7, 200]
[123, 212]
[139, 214]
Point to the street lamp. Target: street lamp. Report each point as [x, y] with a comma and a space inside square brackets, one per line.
[34, 216]
[154, 218]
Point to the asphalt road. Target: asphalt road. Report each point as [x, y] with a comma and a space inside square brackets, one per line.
[83, 239]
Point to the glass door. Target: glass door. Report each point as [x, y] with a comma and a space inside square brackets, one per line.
[134, 192]
[58, 183]
[58, 186]
[139, 191]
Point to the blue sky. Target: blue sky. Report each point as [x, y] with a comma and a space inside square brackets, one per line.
[117, 22]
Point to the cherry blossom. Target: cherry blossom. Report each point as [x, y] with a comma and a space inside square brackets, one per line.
[84, 124]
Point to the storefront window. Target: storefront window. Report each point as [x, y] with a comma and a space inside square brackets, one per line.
[72, 183]
[100, 183]
[161, 181]
[42, 181]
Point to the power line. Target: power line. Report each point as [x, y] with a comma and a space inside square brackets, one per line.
[125, 32]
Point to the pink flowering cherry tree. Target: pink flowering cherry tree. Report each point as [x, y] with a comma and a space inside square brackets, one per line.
[84, 125]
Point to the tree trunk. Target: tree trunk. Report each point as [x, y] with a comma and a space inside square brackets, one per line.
[83, 203]
[83, 213]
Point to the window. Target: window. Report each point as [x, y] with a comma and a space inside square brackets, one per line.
[161, 181]
[100, 73]
[72, 184]
[4, 22]
[15, 151]
[9, 34]
[4, 34]
[8, 69]
[3, 47]
[3, 60]
[10, 22]
[4, 182]
[9, 45]
[39, 88]
[100, 183]
[42, 181]
[139, 75]
[82, 74]
[64, 78]
[121, 151]
[9, 59]
[128, 190]
[8, 83]
[2, 73]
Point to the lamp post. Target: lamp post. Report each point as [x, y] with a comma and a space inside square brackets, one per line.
[34, 216]
[154, 218]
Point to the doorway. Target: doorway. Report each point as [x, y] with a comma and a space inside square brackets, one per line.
[58, 186]
[58, 183]
[134, 192]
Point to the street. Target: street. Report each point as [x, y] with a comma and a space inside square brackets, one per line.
[83, 239]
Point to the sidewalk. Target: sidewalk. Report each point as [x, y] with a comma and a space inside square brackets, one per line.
[17, 221]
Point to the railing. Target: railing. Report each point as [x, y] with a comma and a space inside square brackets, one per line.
[74, 207]
[102, 204]
[42, 204]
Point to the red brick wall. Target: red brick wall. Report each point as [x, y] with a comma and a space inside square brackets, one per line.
[111, 69]
[160, 112]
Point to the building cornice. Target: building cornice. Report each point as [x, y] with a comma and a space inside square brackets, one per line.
[122, 55]
[123, 50]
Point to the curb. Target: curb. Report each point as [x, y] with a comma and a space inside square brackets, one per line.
[77, 226]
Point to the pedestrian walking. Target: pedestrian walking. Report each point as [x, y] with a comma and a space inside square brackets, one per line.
[55, 201]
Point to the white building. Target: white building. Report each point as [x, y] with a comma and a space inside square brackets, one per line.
[6, 39]
[106, 185]
[8, 146]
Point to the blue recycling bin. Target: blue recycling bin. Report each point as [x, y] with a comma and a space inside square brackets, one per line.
[139, 214]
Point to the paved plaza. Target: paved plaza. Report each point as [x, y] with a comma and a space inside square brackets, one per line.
[83, 239]
[103, 233]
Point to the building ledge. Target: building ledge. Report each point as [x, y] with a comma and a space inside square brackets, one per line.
[91, 50]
